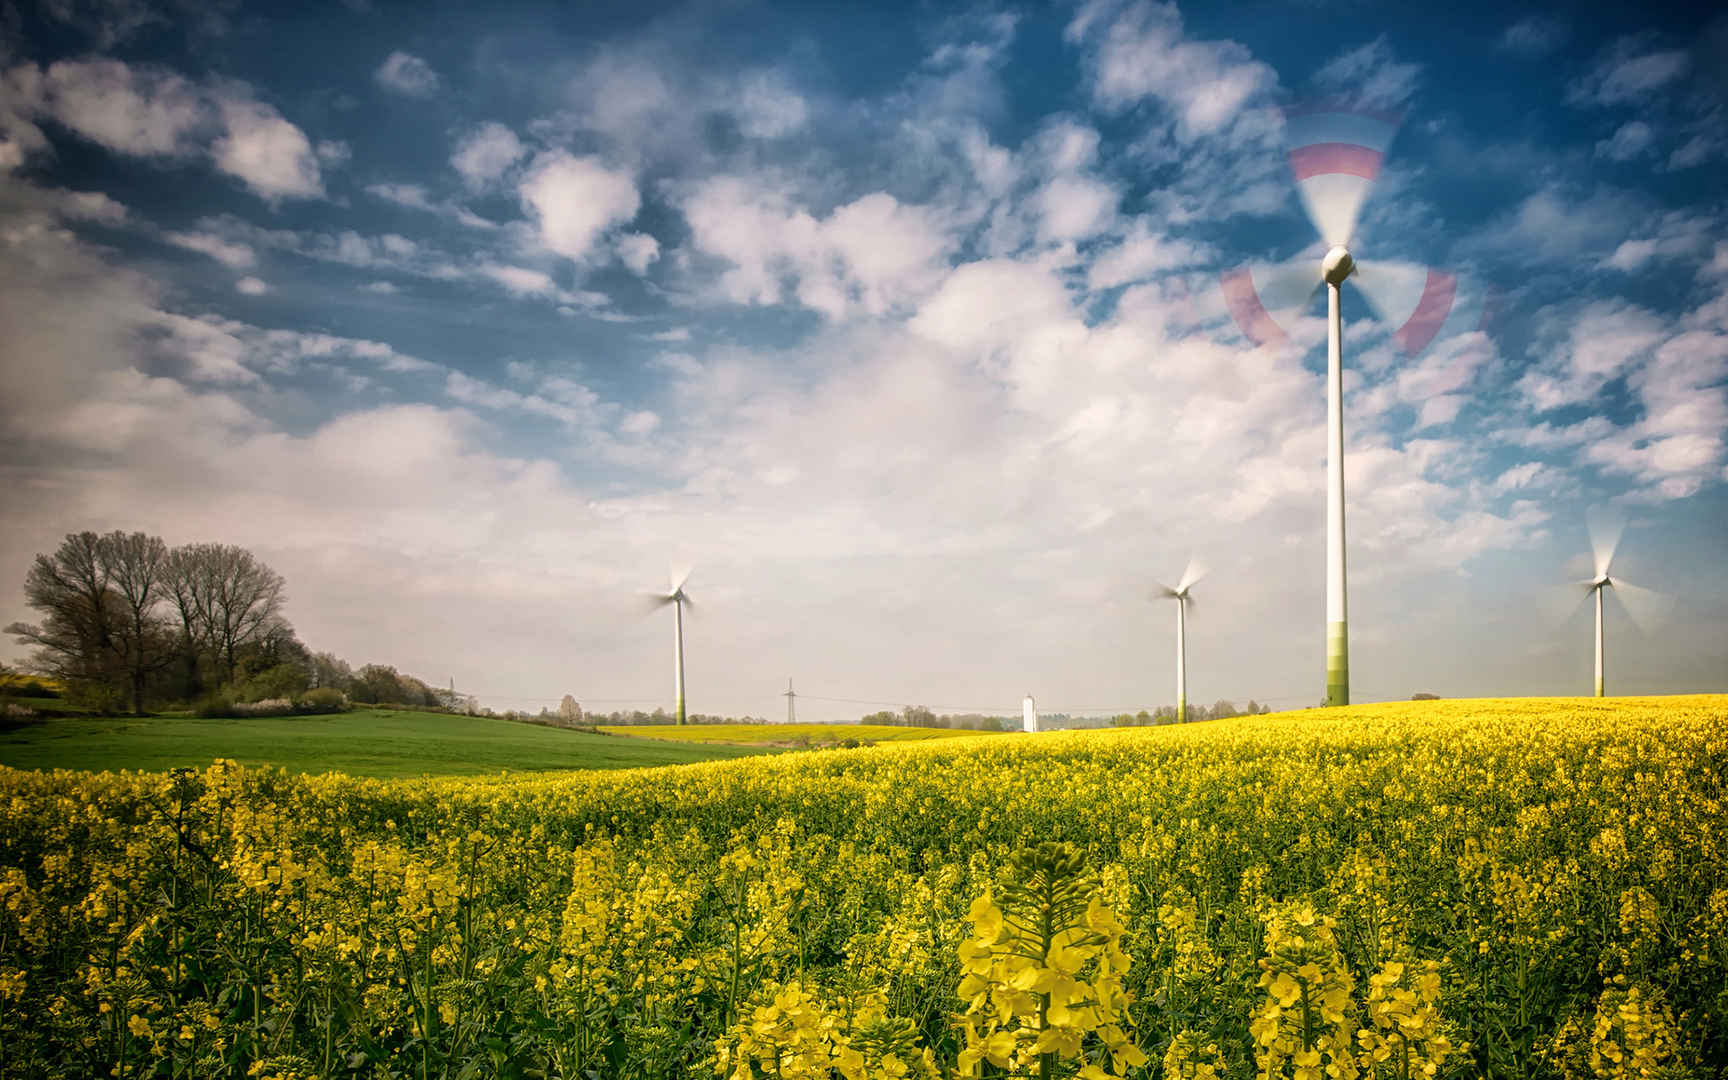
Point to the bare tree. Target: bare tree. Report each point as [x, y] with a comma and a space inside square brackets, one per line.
[137, 566]
[74, 642]
[99, 596]
[227, 598]
[569, 712]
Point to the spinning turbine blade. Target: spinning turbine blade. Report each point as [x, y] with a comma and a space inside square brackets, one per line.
[1164, 592]
[1645, 607]
[1421, 305]
[1335, 155]
[1191, 576]
[1606, 525]
[1265, 300]
[676, 575]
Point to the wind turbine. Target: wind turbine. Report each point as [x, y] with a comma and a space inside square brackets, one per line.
[678, 598]
[1643, 605]
[1180, 594]
[1335, 155]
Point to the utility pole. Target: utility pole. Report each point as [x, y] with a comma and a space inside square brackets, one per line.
[791, 696]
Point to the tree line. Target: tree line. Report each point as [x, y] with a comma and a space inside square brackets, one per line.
[127, 622]
[921, 716]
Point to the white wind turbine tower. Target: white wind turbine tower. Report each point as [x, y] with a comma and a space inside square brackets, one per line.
[1335, 155]
[1643, 605]
[678, 598]
[1182, 596]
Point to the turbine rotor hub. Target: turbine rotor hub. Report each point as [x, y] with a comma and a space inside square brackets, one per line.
[1337, 265]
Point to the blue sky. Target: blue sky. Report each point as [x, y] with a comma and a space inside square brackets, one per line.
[901, 324]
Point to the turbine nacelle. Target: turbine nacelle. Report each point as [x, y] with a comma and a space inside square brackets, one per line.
[1337, 265]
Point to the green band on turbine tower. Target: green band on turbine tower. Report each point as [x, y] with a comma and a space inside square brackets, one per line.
[1182, 710]
[1337, 664]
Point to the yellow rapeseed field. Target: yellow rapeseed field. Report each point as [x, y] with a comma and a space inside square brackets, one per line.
[787, 734]
[1534, 888]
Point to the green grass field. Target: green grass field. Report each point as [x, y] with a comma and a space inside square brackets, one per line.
[785, 734]
[369, 742]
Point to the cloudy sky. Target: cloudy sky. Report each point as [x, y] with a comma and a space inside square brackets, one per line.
[901, 325]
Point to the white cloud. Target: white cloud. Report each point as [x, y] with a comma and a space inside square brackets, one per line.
[270, 155]
[873, 254]
[333, 153]
[1524, 476]
[639, 423]
[383, 287]
[410, 195]
[638, 251]
[143, 110]
[768, 107]
[1629, 71]
[483, 155]
[1370, 75]
[1630, 140]
[91, 206]
[251, 286]
[1700, 148]
[1561, 224]
[1586, 347]
[1534, 35]
[1138, 52]
[405, 73]
[1143, 253]
[235, 256]
[1676, 235]
[521, 280]
[576, 200]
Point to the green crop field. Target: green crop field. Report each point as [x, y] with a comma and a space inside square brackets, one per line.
[786, 734]
[368, 742]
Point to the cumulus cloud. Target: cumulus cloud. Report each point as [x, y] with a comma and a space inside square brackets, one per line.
[871, 255]
[267, 153]
[251, 286]
[638, 251]
[1138, 52]
[768, 107]
[483, 154]
[576, 200]
[148, 111]
[1586, 347]
[405, 73]
[144, 110]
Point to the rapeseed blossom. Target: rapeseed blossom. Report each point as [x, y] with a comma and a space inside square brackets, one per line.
[1360, 891]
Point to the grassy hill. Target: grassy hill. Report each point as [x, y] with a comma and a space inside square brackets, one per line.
[367, 742]
[786, 734]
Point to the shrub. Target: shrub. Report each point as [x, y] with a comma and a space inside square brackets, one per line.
[268, 707]
[323, 699]
[213, 706]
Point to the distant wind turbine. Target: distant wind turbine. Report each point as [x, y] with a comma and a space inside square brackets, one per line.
[678, 598]
[1335, 155]
[1643, 605]
[1182, 596]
